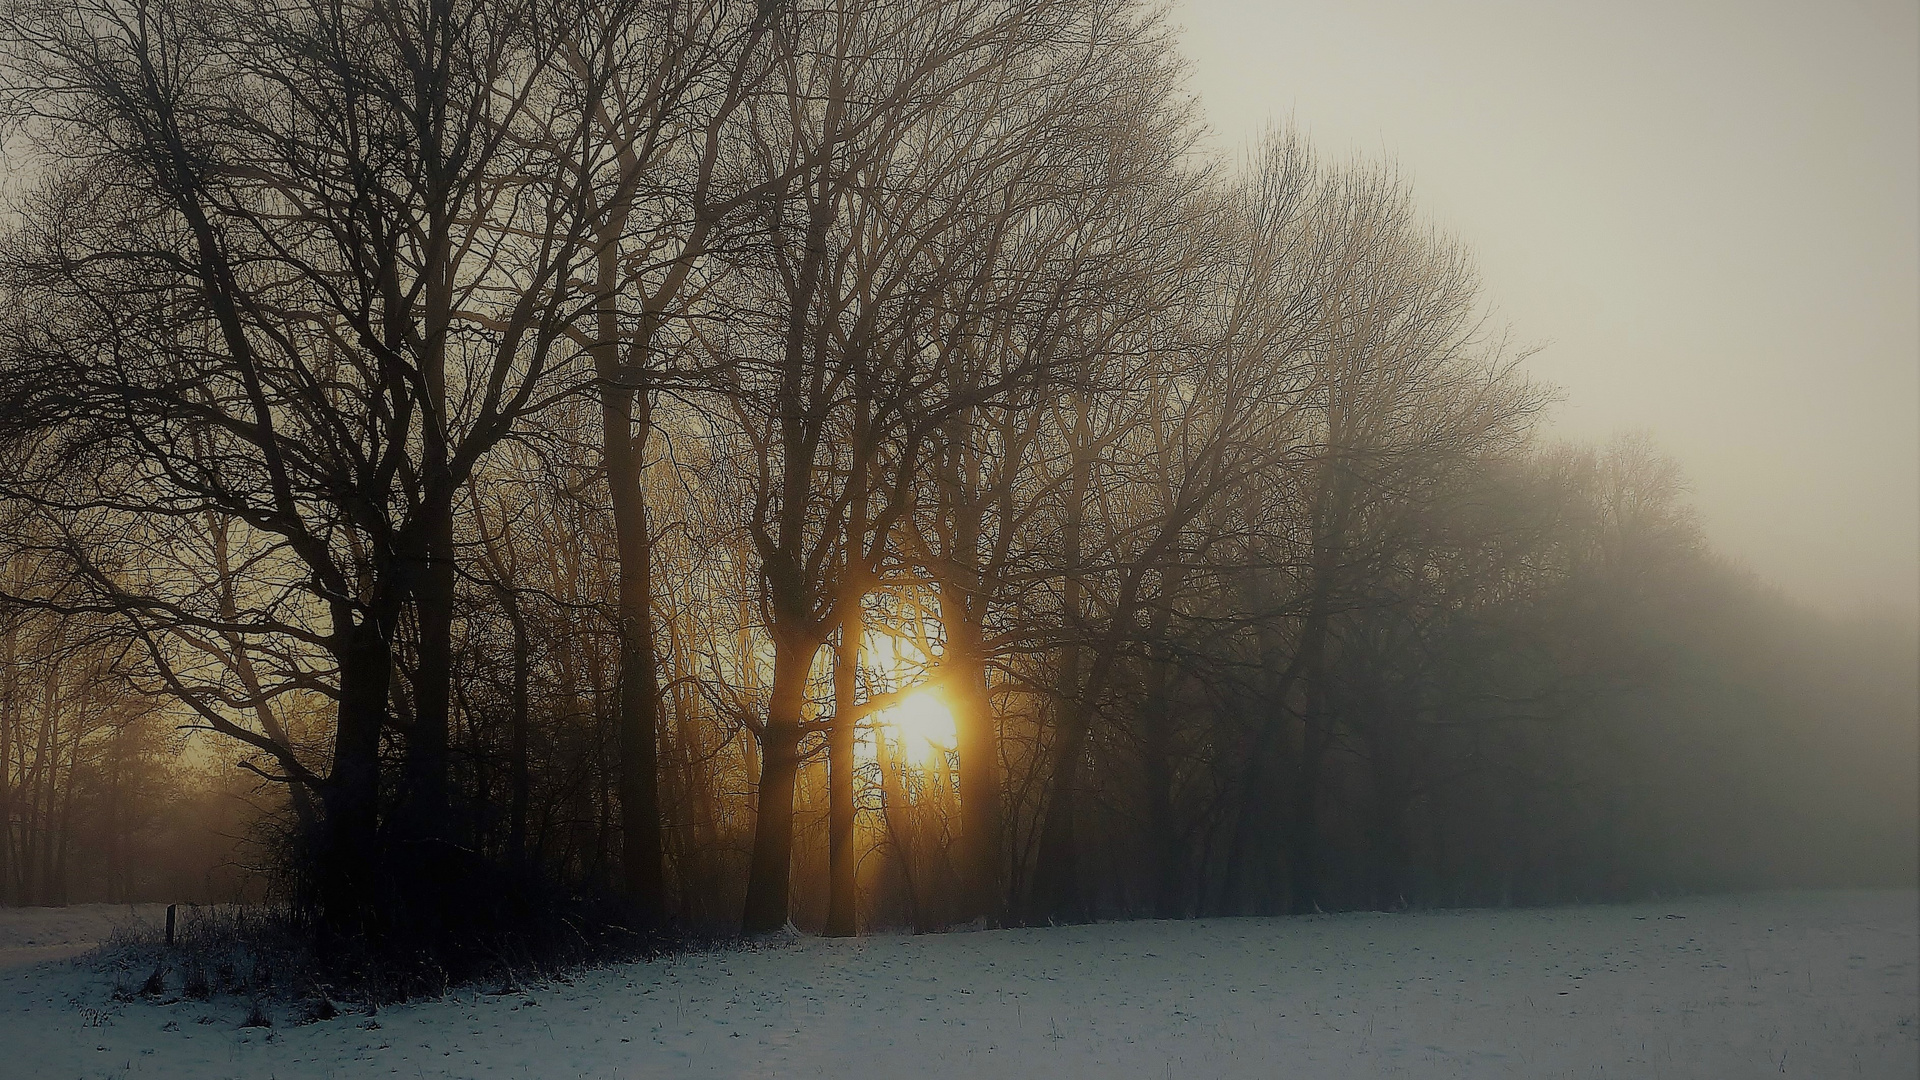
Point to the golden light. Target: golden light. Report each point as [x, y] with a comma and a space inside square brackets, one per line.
[921, 725]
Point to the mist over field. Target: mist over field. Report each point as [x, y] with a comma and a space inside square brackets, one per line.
[1703, 211]
[496, 488]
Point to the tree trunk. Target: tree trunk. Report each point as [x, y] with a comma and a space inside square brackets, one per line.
[423, 812]
[840, 770]
[116, 815]
[1056, 878]
[343, 864]
[520, 783]
[978, 747]
[639, 697]
[1390, 843]
[1303, 857]
[34, 844]
[770, 873]
[626, 424]
[57, 871]
[901, 821]
[9, 709]
[1254, 774]
[431, 579]
[1164, 852]
[694, 855]
[606, 741]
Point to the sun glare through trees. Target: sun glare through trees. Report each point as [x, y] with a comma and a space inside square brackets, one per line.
[915, 719]
[921, 726]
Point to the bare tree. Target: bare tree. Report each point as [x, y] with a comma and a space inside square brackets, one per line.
[882, 149]
[301, 268]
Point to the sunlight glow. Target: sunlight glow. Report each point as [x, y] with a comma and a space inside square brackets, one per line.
[921, 725]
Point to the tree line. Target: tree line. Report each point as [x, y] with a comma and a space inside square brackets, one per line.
[550, 443]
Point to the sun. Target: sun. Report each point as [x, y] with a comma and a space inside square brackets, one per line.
[921, 725]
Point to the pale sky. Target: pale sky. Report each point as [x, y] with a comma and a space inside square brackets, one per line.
[1708, 212]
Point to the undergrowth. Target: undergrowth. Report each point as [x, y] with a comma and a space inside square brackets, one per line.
[282, 968]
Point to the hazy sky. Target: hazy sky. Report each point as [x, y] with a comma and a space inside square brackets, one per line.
[1709, 214]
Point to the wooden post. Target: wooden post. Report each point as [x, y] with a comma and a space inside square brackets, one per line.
[170, 911]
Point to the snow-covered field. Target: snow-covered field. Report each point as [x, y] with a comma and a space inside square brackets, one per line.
[1795, 984]
[31, 936]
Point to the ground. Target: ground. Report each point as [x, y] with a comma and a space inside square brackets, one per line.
[1793, 984]
[30, 936]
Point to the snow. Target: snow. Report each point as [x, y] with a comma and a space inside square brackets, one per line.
[37, 934]
[1789, 984]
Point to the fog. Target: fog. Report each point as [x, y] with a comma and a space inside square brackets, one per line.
[496, 486]
[1706, 212]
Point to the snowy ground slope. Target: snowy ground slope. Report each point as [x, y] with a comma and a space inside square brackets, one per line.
[33, 935]
[1809, 984]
